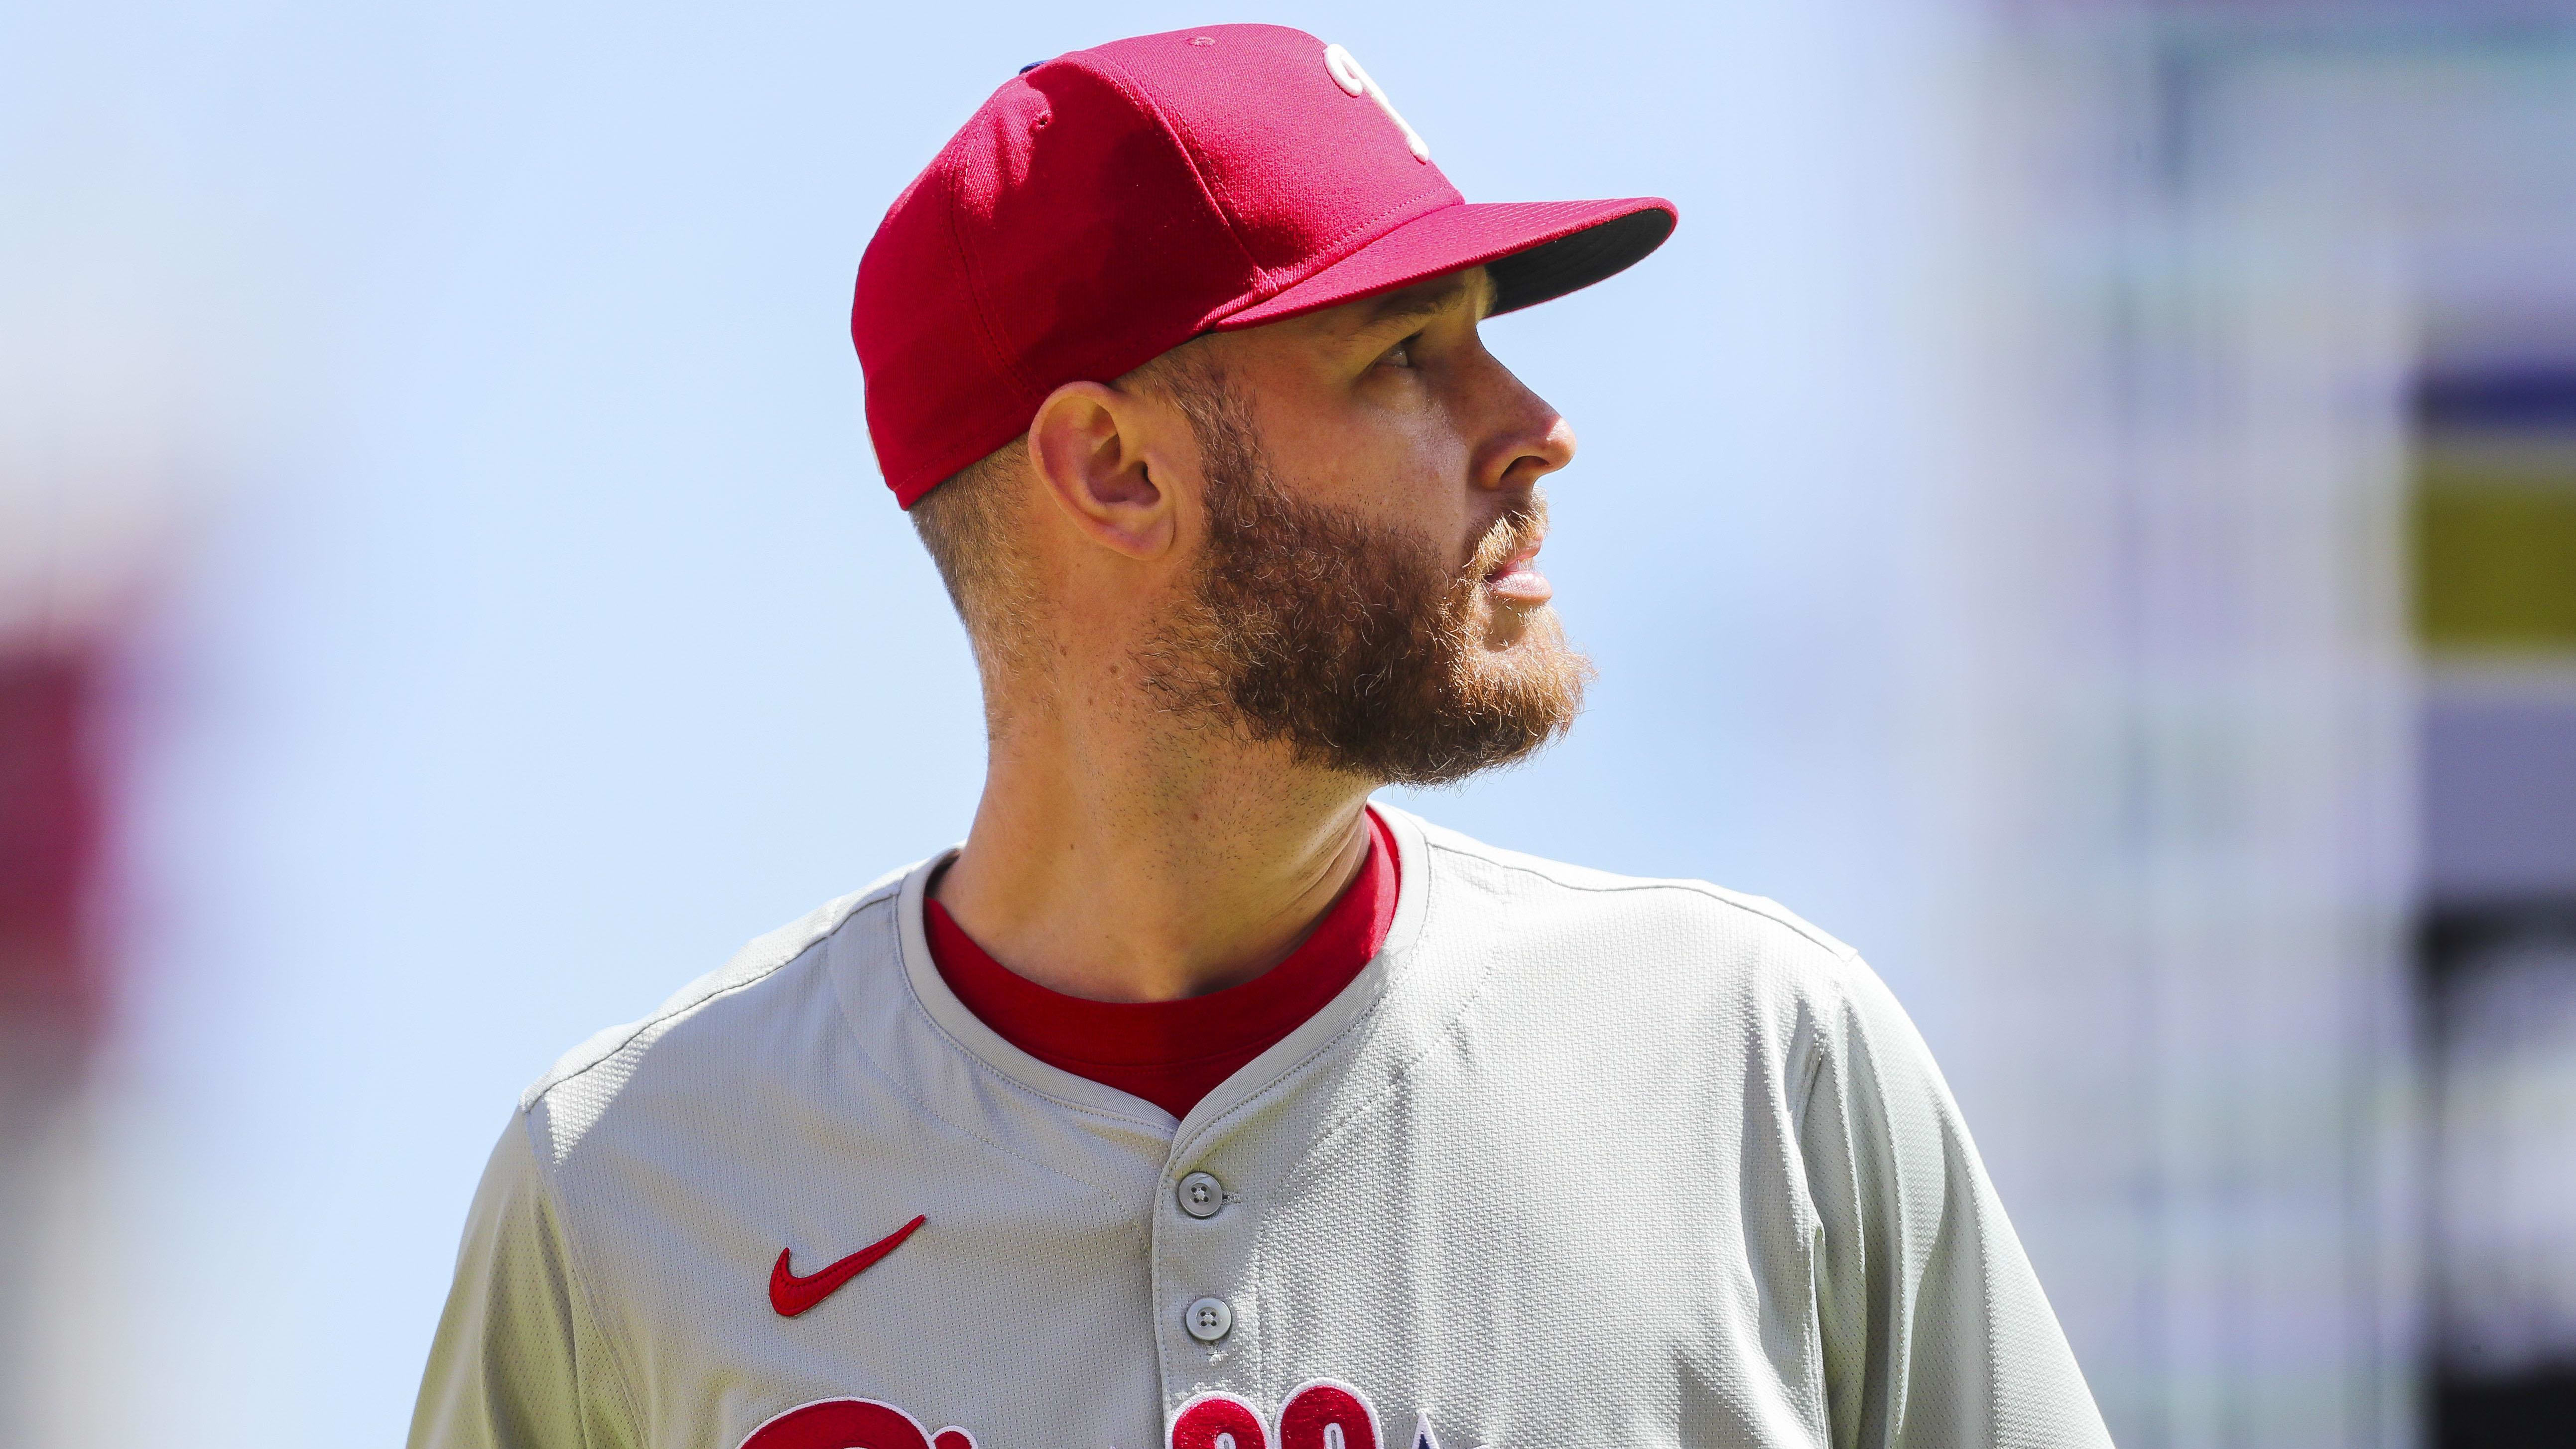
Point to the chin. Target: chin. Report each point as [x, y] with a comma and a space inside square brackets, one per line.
[1511, 626]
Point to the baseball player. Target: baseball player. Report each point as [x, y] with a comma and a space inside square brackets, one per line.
[1195, 1102]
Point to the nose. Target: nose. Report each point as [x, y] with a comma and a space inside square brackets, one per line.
[1528, 439]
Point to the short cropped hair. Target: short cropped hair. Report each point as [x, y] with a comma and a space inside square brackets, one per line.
[970, 523]
[967, 525]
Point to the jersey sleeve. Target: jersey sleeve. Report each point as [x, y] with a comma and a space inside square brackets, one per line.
[513, 1365]
[1934, 1328]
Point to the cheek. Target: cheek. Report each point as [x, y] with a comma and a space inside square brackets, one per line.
[1425, 500]
[1420, 469]
[1405, 473]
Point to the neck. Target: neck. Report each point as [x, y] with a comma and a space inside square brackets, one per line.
[1126, 855]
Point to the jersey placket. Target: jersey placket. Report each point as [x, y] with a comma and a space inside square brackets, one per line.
[1206, 1235]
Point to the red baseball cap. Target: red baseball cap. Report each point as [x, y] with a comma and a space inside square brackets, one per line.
[1108, 205]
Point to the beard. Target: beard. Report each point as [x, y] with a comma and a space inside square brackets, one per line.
[1354, 643]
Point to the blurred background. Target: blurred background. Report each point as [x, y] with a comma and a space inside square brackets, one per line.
[2084, 509]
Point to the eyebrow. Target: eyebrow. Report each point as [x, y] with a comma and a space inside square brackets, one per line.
[1414, 306]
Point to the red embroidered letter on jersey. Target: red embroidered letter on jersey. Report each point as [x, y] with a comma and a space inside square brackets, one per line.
[851, 1424]
[1210, 1420]
[1323, 1405]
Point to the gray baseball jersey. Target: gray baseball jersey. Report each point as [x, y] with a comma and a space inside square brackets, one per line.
[1577, 1160]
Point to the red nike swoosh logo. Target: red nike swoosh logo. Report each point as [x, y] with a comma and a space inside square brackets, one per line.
[792, 1295]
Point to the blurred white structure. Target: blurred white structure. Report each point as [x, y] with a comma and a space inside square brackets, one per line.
[2170, 703]
[2167, 715]
[2504, 1176]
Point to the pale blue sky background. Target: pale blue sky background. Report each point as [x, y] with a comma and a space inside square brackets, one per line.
[553, 634]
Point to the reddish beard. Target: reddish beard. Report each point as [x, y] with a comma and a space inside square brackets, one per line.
[1353, 642]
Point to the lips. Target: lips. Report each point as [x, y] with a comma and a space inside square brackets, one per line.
[1517, 578]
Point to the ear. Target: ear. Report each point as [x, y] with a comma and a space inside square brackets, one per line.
[1088, 445]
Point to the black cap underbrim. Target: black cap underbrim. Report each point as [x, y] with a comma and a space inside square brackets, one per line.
[1570, 263]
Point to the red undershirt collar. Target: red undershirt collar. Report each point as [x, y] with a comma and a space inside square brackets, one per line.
[1172, 1053]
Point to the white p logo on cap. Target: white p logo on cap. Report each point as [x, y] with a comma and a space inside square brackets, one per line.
[1354, 79]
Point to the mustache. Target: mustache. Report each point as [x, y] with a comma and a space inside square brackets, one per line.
[1520, 527]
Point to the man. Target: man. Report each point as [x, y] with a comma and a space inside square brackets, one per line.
[1195, 1101]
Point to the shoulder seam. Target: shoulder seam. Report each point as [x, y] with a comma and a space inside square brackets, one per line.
[1777, 916]
[560, 1074]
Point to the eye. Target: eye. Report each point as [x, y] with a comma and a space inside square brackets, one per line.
[1401, 354]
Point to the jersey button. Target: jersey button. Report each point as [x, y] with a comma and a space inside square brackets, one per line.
[1208, 1319]
[1202, 1196]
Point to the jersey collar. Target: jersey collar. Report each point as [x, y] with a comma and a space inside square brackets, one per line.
[1317, 1034]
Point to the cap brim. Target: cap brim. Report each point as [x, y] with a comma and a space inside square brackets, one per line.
[1535, 250]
